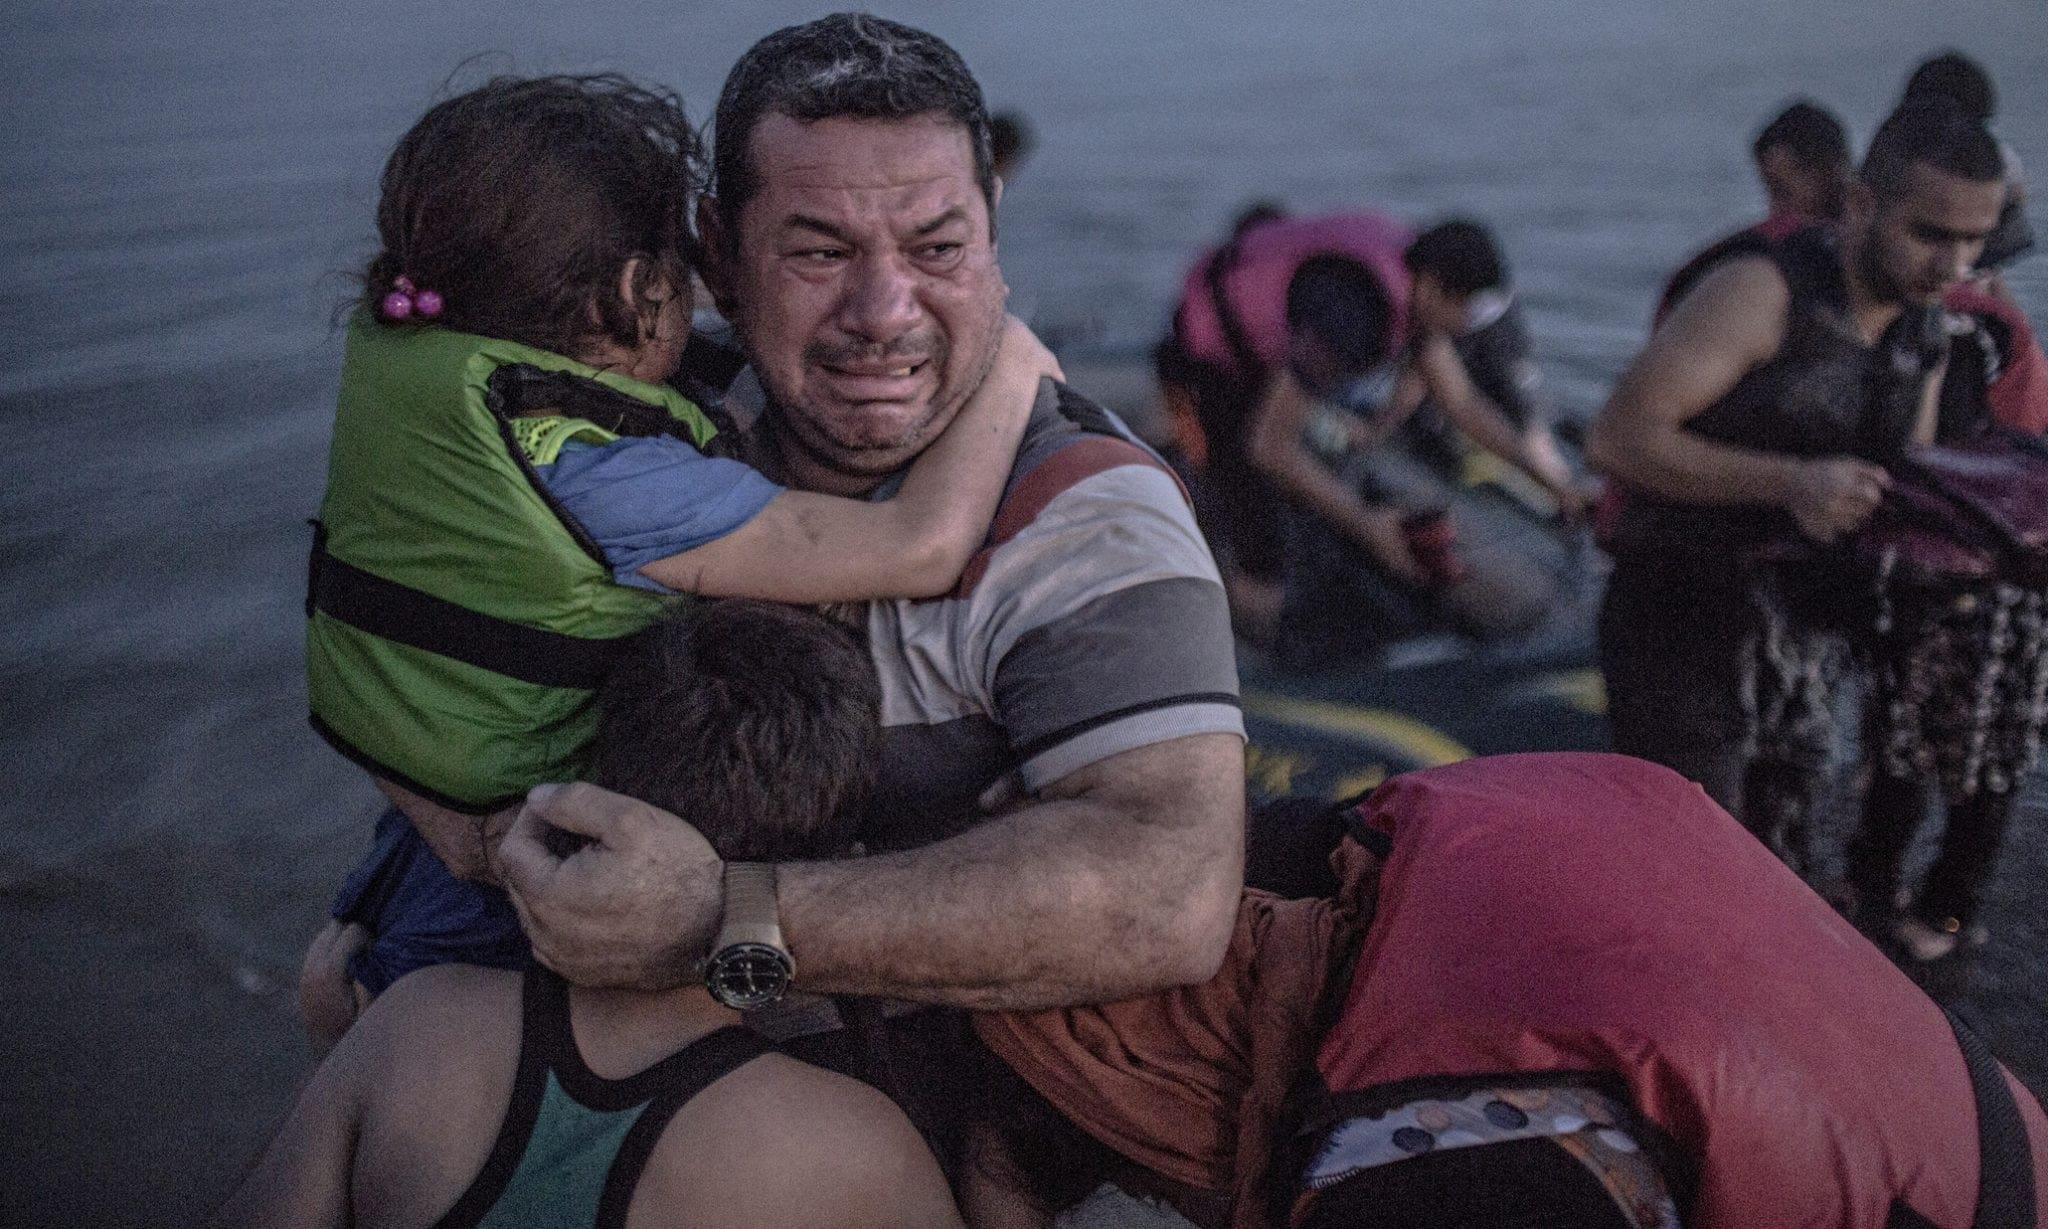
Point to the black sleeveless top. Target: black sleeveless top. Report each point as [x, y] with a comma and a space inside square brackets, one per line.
[1824, 393]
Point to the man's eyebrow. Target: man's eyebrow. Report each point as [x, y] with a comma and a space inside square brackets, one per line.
[804, 221]
[955, 214]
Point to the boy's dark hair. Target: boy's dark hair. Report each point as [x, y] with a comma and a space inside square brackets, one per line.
[1957, 78]
[1340, 303]
[521, 201]
[758, 723]
[1934, 132]
[1810, 133]
[849, 64]
[1460, 254]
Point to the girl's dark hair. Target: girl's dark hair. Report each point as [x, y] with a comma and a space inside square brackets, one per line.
[521, 201]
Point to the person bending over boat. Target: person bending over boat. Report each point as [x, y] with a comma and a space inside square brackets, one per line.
[514, 488]
[1469, 339]
[487, 1097]
[1272, 327]
[1526, 1002]
[1756, 419]
[1085, 653]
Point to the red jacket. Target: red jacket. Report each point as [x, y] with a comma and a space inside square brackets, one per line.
[1595, 913]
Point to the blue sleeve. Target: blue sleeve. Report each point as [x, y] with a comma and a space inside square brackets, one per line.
[648, 497]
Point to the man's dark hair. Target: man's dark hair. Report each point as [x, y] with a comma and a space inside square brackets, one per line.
[849, 64]
[1010, 138]
[759, 723]
[1460, 254]
[521, 201]
[1810, 133]
[1341, 304]
[1934, 132]
[1957, 78]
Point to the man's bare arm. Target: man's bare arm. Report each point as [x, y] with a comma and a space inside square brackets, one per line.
[1450, 386]
[1732, 322]
[1124, 880]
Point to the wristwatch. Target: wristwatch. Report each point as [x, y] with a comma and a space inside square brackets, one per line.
[749, 967]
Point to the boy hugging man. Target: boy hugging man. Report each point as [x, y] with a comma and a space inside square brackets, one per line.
[467, 1096]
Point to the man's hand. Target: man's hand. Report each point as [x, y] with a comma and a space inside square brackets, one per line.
[636, 908]
[1835, 495]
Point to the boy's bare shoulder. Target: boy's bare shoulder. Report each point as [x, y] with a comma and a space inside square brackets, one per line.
[781, 1142]
[441, 1031]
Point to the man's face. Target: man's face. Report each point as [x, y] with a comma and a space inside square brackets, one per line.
[865, 285]
[1914, 247]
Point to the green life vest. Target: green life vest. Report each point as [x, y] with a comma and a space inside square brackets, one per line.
[459, 621]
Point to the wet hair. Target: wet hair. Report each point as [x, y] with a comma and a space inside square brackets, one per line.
[1341, 304]
[1957, 78]
[854, 65]
[1934, 132]
[757, 722]
[521, 201]
[1010, 138]
[1810, 133]
[1460, 254]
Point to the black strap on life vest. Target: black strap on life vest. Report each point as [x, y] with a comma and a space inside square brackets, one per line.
[408, 616]
[2005, 1159]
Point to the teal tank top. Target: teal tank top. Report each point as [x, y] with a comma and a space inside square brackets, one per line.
[573, 1144]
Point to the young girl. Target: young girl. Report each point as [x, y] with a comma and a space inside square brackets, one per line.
[513, 490]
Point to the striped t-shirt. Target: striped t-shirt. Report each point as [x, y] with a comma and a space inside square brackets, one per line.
[1092, 623]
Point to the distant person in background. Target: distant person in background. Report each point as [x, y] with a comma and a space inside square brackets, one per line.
[512, 1099]
[1011, 142]
[1468, 339]
[1753, 431]
[1958, 79]
[1802, 157]
[1274, 328]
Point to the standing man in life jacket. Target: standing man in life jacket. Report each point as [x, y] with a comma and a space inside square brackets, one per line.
[1749, 421]
[1288, 316]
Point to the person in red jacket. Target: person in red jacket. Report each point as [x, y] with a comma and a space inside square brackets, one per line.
[1527, 1003]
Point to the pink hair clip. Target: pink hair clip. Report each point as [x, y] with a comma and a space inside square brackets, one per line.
[406, 300]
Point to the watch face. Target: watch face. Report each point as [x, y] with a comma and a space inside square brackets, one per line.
[748, 975]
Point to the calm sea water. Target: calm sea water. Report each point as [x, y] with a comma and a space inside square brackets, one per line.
[186, 186]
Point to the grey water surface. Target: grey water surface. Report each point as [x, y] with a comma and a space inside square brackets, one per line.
[186, 188]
